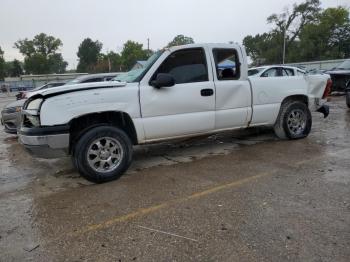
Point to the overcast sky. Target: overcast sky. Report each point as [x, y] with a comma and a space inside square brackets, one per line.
[113, 22]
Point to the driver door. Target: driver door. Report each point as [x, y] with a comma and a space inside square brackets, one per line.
[186, 108]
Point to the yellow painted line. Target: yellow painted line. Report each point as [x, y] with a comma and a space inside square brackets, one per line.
[115, 220]
[226, 186]
[145, 211]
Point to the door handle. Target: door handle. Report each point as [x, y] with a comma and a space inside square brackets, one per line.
[207, 92]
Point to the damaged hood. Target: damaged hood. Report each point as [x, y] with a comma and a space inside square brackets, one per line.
[78, 87]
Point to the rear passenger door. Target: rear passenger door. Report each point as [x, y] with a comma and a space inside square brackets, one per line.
[233, 94]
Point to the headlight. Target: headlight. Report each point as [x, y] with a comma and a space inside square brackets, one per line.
[31, 112]
[35, 104]
[34, 120]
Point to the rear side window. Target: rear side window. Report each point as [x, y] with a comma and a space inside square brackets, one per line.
[300, 73]
[186, 66]
[227, 64]
[287, 72]
[273, 72]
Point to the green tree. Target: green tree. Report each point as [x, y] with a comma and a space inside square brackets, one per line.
[88, 54]
[180, 40]
[115, 62]
[14, 68]
[267, 48]
[291, 22]
[41, 54]
[2, 65]
[110, 62]
[132, 52]
[57, 64]
[264, 49]
[328, 37]
[311, 33]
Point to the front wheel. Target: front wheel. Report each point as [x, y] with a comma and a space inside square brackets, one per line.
[294, 121]
[103, 154]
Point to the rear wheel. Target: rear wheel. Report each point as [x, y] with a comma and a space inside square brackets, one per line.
[103, 154]
[294, 121]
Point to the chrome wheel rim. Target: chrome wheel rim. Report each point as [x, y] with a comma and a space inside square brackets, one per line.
[296, 122]
[105, 154]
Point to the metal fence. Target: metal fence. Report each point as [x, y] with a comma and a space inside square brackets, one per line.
[28, 82]
[14, 86]
[319, 65]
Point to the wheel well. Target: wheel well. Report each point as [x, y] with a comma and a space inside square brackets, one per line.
[79, 125]
[301, 98]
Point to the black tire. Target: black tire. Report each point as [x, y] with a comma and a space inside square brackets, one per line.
[348, 98]
[86, 143]
[285, 128]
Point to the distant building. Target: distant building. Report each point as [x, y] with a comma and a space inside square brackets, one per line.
[139, 64]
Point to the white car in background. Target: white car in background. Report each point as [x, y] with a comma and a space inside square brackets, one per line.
[275, 71]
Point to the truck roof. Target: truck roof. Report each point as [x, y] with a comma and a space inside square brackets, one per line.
[210, 45]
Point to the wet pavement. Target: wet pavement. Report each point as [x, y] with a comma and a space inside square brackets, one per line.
[237, 196]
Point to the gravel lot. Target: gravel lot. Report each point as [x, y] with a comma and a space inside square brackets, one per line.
[237, 196]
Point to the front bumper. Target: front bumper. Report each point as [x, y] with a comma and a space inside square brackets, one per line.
[45, 142]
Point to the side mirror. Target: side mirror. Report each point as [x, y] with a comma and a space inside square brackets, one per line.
[163, 80]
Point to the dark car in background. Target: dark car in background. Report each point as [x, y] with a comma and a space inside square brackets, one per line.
[10, 115]
[340, 76]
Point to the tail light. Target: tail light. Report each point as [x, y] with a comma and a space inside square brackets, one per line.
[328, 89]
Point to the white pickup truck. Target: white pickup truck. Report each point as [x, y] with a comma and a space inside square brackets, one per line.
[181, 91]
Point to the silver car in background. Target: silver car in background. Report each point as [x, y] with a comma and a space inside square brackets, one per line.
[10, 116]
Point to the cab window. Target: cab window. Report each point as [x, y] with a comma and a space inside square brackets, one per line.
[186, 66]
[227, 64]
